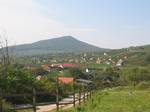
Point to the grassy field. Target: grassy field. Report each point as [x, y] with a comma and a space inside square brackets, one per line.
[117, 100]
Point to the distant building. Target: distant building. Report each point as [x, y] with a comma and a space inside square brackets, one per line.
[120, 62]
[69, 65]
[39, 77]
[56, 66]
[91, 59]
[65, 80]
[76, 61]
[98, 61]
[71, 60]
[107, 62]
[53, 61]
[125, 57]
[105, 54]
[87, 70]
[85, 55]
[46, 68]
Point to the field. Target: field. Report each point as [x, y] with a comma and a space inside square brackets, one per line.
[117, 100]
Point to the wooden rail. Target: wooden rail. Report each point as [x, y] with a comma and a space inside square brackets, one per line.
[79, 97]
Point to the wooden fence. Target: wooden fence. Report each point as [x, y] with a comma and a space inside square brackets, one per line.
[84, 94]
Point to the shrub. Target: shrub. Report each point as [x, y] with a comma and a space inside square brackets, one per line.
[135, 75]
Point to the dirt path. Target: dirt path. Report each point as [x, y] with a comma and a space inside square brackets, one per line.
[51, 107]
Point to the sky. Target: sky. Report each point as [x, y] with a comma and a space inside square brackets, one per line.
[104, 23]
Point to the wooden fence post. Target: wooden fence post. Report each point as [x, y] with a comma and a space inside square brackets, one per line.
[84, 94]
[34, 100]
[90, 93]
[57, 94]
[74, 99]
[1, 100]
[79, 97]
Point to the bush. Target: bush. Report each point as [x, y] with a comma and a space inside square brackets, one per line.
[135, 75]
[147, 58]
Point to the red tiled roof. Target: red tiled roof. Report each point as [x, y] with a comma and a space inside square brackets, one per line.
[57, 65]
[68, 65]
[65, 80]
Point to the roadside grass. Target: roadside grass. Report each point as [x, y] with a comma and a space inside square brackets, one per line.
[117, 100]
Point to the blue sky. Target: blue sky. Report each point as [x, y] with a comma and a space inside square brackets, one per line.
[104, 23]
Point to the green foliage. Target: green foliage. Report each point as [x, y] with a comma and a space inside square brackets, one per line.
[39, 71]
[147, 58]
[17, 80]
[135, 75]
[76, 72]
[45, 84]
[107, 78]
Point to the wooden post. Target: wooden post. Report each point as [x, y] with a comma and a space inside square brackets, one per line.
[57, 94]
[87, 93]
[90, 93]
[84, 94]
[1, 100]
[74, 99]
[34, 100]
[79, 97]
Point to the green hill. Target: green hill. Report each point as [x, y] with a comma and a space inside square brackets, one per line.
[139, 55]
[64, 44]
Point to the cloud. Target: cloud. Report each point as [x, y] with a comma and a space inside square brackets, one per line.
[23, 21]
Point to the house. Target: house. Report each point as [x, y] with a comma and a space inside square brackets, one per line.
[69, 65]
[87, 70]
[71, 60]
[105, 54]
[107, 62]
[53, 61]
[76, 61]
[64, 65]
[46, 68]
[120, 62]
[98, 61]
[56, 66]
[88, 74]
[39, 77]
[66, 80]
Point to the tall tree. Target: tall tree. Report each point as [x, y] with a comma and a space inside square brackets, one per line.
[6, 57]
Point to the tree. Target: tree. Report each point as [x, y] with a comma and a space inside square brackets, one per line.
[76, 73]
[136, 75]
[6, 58]
[148, 58]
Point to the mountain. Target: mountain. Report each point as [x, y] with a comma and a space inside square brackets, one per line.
[64, 44]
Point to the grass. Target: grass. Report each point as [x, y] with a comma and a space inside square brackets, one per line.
[118, 100]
